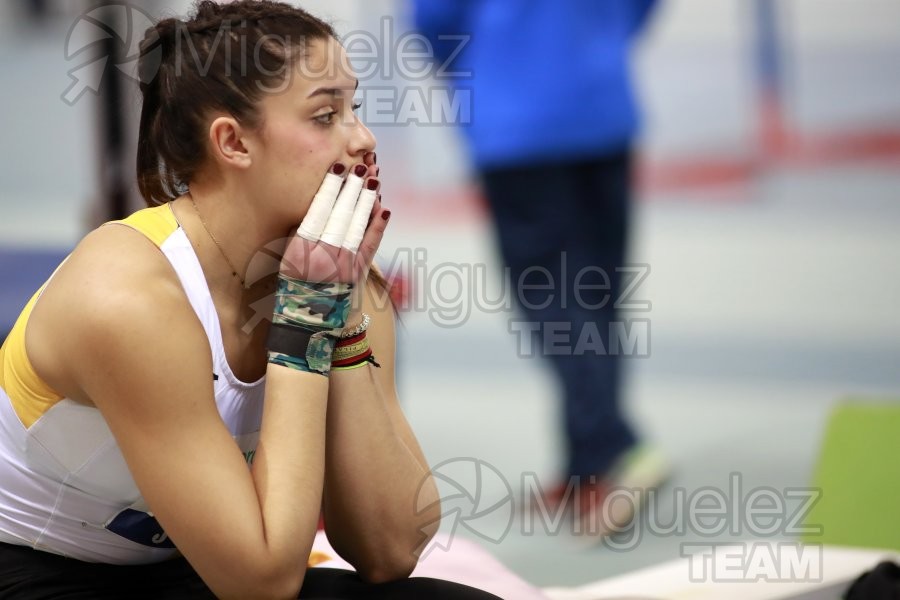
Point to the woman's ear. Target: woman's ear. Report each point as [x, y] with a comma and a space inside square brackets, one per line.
[226, 137]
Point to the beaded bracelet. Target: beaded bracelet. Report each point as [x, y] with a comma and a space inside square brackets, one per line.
[358, 329]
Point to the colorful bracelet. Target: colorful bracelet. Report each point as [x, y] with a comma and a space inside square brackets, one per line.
[352, 353]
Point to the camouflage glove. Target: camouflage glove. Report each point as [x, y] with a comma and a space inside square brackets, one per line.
[334, 243]
[307, 322]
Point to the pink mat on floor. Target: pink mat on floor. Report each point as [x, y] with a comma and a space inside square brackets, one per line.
[463, 562]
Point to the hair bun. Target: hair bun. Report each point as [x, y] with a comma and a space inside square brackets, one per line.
[162, 34]
[208, 10]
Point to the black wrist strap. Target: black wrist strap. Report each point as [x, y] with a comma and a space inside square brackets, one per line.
[288, 339]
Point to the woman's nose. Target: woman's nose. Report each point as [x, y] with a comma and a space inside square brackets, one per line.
[362, 140]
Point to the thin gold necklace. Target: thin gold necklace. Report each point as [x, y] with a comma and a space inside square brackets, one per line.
[234, 271]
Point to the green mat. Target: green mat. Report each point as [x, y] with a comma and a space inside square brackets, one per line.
[859, 475]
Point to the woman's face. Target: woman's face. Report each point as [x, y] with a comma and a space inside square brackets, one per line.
[306, 128]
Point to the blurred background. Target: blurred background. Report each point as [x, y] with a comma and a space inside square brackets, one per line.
[769, 210]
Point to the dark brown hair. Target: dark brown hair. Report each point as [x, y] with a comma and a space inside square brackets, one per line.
[189, 69]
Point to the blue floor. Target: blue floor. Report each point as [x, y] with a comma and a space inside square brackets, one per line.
[22, 273]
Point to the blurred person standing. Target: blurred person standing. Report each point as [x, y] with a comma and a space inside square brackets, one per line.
[554, 119]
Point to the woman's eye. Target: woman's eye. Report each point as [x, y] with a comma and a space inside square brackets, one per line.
[327, 118]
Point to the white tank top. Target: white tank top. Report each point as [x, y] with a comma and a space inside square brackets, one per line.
[64, 485]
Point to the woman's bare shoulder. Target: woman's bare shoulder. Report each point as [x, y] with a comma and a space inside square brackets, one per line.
[114, 285]
[116, 255]
[114, 267]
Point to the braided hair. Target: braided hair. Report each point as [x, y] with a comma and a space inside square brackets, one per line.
[225, 57]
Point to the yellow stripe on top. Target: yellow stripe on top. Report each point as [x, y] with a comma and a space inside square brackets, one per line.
[157, 223]
[30, 396]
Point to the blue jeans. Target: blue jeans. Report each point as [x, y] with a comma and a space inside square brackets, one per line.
[566, 224]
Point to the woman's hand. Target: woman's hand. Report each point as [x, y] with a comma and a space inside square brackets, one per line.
[323, 270]
[341, 232]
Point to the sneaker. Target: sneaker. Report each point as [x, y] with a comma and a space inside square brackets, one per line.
[566, 496]
[618, 500]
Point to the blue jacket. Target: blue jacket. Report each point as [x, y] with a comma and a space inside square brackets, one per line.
[550, 79]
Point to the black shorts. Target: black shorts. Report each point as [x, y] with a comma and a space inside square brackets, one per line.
[27, 574]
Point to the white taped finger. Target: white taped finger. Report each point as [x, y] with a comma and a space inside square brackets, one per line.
[320, 209]
[360, 220]
[339, 221]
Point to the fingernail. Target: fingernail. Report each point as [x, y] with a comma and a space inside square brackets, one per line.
[372, 184]
[374, 158]
[386, 215]
[338, 168]
[377, 171]
[360, 170]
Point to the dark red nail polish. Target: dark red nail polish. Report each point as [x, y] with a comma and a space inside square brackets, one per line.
[377, 171]
[360, 170]
[374, 159]
[338, 169]
[372, 184]
[386, 215]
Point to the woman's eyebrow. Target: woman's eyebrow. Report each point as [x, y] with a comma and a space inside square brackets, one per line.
[333, 91]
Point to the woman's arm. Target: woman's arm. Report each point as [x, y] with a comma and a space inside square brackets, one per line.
[376, 477]
[117, 330]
